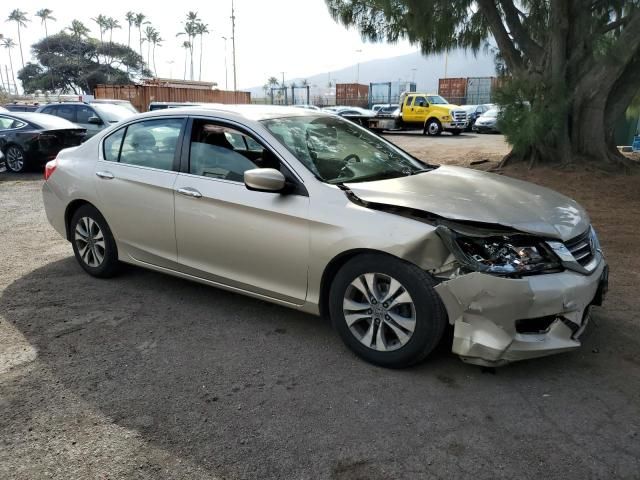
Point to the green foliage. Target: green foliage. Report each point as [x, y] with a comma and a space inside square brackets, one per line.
[75, 63]
[529, 113]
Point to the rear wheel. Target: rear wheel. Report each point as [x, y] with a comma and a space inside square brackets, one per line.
[93, 244]
[15, 159]
[386, 310]
[433, 127]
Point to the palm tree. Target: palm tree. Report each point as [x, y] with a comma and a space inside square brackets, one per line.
[187, 47]
[190, 30]
[149, 34]
[102, 21]
[131, 19]
[139, 21]
[78, 29]
[112, 24]
[201, 29]
[21, 20]
[157, 40]
[45, 15]
[9, 44]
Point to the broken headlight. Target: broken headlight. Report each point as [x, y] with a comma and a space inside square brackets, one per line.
[503, 254]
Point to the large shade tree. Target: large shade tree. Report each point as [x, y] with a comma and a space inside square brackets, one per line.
[573, 65]
[77, 63]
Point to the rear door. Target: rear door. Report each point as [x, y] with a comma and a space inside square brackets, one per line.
[253, 241]
[134, 180]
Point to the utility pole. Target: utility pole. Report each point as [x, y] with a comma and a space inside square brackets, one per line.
[226, 75]
[233, 45]
[358, 68]
[446, 62]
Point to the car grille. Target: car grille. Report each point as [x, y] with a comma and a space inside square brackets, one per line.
[581, 247]
[459, 116]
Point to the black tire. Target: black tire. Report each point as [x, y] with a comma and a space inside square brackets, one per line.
[109, 265]
[15, 151]
[430, 315]
[433, 127]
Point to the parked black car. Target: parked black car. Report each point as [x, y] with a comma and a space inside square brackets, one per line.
[32, 139]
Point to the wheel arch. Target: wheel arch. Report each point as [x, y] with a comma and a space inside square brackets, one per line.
[333, 267]
[70, 210]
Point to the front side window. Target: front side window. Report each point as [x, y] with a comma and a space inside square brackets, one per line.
[84, 113]
[337, 151]
[151, 143]
[68, 112]
[218, 151]
[51, 111]
[420, 102]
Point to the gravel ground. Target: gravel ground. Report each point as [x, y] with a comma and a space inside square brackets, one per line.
[147, 376]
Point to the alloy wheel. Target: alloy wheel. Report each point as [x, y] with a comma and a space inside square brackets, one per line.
[379, 312]
[90, 242]
[433, 128]
[15, 159]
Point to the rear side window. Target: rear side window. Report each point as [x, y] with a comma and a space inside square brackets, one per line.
[112, 145]
[151, 143]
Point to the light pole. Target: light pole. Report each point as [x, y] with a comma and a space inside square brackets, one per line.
[233, 45]
[358, 67]
[226, 75]
[170, 63]
[413, 75]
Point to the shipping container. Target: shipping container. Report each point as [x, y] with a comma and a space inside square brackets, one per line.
[480, 90]
[453, 89]
[142, 95]
[388, 92]
[354, 94]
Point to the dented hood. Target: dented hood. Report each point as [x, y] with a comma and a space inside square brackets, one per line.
[464, 194]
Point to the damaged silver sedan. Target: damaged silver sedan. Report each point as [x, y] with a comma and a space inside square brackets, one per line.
[310, 211]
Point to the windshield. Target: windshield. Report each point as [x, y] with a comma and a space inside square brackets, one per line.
[338, 151]
[493, 113]
[113, 113]
[437, 100]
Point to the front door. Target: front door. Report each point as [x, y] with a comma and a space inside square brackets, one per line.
[135, 180]
[253, 241]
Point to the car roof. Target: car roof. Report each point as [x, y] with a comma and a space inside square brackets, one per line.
[42, 120]
[249, 112]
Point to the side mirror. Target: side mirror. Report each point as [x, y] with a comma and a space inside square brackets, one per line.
[94, 120]
[264, 180]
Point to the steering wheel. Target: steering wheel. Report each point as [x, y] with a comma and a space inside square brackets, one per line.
[347, 160]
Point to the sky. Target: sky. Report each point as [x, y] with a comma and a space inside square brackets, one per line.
[297, 37]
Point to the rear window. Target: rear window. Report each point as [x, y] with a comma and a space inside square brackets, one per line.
[46, 121]
[112, 113]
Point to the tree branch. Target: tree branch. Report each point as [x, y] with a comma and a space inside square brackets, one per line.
[508, 50]
[528, 45]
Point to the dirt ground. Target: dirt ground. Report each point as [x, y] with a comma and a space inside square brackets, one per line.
[146, 376]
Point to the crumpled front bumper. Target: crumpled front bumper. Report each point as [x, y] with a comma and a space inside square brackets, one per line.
[485, 309]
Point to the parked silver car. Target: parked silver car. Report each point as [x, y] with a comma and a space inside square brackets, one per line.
[310, 211]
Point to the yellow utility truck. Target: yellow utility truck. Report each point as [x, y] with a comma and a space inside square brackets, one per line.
[422, 111]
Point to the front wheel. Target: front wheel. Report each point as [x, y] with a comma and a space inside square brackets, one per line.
[14, 159]
[386, 310]
[433, 127]
[93, 244]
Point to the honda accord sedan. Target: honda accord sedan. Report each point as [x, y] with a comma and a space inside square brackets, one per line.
[310, 211]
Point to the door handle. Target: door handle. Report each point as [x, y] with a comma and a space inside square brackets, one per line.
[189, 192]
[105, 175]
